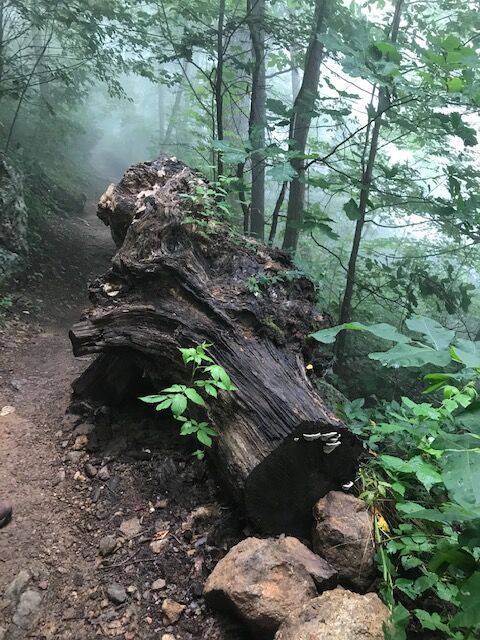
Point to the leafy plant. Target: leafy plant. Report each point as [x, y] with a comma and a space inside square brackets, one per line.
[206, 376]
[423, 483]
[261, 281]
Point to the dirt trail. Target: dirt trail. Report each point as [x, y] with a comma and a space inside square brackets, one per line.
[54, 583]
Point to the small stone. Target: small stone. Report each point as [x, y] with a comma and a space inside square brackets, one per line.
[107, 545]
[60, 477]
[172, 610]
[205, 513]
[131, 589]
[168, 636]
[74, 456]
[159, 584]
[90, 470]
[116, 593]
[161, 504]
[79, 477]
[157, 546]
[148, 620]
[43, 585]
[80, 443]
[104, 474]
[131, 528]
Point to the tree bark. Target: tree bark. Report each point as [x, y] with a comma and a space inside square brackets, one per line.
[302, 117]
[258, 117]
[178, 280]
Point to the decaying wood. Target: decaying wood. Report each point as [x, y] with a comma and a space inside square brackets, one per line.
[180, 278]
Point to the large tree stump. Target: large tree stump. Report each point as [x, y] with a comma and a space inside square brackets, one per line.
[180, 278]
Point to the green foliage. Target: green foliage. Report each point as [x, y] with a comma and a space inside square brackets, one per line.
[423, 482]
[260, 281]
[207, 377]
[440, 346]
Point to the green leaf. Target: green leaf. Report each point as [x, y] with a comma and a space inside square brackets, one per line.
[407, 355]
[204, 438]
[461, 476]
[395, 629]
[279, 108]
[152, 399]
[455, 85]
[194, 396]
[352, 210]
[231, 155]
[469, 616]
[283, 172]
[430, 621]
[179, 404]
[467, 352]
[164, 405]
[425, 472]
[439, 337]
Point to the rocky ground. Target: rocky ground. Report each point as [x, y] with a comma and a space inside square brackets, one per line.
[116, 527]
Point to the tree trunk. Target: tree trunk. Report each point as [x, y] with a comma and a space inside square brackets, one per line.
[366, 183]
[178, 280]
[302, 117]
[219, 83]
[258, 116]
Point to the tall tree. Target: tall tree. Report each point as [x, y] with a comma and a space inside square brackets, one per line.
[258, 116]
[303, 111]
[368, 164]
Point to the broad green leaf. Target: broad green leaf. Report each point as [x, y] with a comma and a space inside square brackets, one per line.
[204, 438]
[467, 352]
[179, 404]
[279, 108]
[407, 355]
[395, 628]
[439, 337]
[164, 405]
[381, 330]
[194, 396]
[461, 476]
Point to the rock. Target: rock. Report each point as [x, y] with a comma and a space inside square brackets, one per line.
[157, 546]
[74, 456]
[262, 580]
[168, 636]
[172, 610]
[116, 593]
[107, 545]
[131, 528]
[205, 513]
[104, 474]
[337, 615]
[28, 609]
[15, 588]
[60, 477]
[90, 470]
[158, 585]
[80, 443]
[343, 535]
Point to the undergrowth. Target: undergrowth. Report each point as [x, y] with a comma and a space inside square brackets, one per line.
[423, 482]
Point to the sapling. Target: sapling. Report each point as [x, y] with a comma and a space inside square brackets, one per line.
[206, 377]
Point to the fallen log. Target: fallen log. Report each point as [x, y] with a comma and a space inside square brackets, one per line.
[181, 277]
